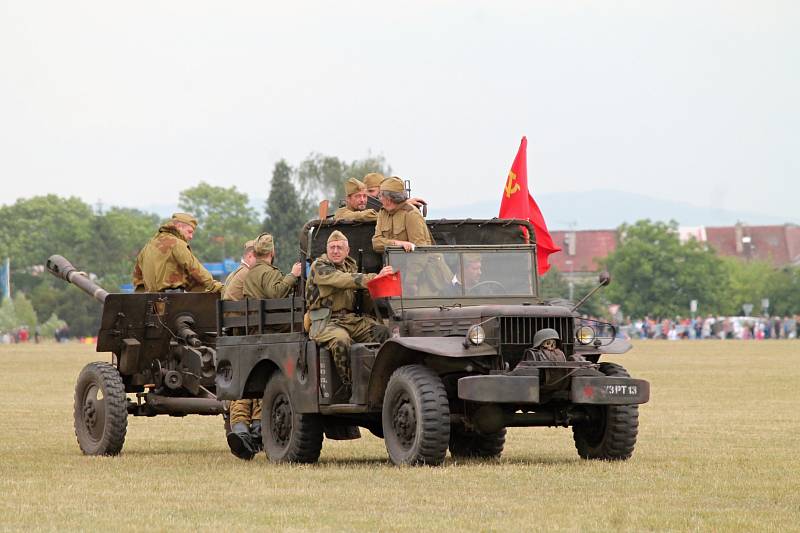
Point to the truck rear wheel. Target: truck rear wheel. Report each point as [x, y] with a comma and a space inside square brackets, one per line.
[101, 410]
[416, 417]
[288, 436]
[466, 443]
[610, 434]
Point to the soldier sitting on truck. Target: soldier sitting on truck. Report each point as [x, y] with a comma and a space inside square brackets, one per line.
[167, 263]
[355, 207]
[330, 295]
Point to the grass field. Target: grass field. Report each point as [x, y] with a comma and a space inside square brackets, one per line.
[718, 450]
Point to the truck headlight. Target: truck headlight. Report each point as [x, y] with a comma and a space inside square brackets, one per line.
[585, 335]
[476, 335]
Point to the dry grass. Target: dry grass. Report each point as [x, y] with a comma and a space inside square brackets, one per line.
[718, 450]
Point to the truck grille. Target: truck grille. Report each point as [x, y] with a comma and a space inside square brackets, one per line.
[518, 331]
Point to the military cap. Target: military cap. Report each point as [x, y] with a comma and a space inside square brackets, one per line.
[393, 184]
[373, 179]
[264, 244]
[248, 245]
[186, 218]
[337, 236]
[352, 186]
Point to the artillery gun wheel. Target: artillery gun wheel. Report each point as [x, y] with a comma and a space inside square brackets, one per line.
[416, 417]
[611, 431]
[288, 436]
[101, 412]
[466, 443]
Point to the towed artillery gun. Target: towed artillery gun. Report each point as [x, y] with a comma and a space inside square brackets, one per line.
[456, 372]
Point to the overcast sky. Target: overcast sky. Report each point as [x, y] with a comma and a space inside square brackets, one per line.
[131, 102]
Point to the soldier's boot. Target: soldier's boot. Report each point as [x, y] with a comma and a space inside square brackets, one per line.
[341, 358]
[241, 442]
[255, 434]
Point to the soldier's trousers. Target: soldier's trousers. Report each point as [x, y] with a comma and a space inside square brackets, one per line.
[342, 331]
[245, 411]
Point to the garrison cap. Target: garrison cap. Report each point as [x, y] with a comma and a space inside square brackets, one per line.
[373, 179]
[337, 236]
[186, 218]
[352, 186]
[393, 184]
[264, 244]
[248, 245]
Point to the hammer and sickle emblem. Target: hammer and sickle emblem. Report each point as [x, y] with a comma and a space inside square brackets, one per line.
[511, 187]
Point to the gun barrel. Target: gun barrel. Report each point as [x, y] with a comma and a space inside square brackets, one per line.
[60, 267]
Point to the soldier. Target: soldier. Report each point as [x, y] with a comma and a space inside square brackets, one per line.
[265, 280]
[546, 348]
[330, 294]
[355, 207]
[244, 439]
[233, 288]
[400, 224]
[373, 181]
[167, 263]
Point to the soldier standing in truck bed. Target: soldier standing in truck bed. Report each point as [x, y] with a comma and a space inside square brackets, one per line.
[244, 439]
[166, 263]
[401, 224]
[330, 295]
[355, 207]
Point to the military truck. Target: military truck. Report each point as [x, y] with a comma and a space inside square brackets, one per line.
[456, 372]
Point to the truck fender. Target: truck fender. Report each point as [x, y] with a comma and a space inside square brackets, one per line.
[401, 351]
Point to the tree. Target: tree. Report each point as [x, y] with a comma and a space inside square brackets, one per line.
[225, 220]
[655, 274]
[553, 285]
[322, 177]
[26, 316]
[285, 216]
[8, 316]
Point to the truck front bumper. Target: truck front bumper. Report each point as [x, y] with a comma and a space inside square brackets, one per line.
[597, 390]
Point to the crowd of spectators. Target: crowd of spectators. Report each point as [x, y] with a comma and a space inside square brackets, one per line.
[711, 327]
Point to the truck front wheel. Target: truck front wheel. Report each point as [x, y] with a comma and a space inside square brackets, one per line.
[610, 431]
[288, 436]
[101, 410]
[416, 417]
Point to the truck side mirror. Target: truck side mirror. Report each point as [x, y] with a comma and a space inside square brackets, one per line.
[604, 278]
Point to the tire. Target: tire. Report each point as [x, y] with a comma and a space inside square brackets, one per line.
[416, 417]
[465, 443]
[288, 436]
[611, 432]
[100, 410]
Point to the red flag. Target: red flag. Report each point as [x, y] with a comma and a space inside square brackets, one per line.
[518, 203]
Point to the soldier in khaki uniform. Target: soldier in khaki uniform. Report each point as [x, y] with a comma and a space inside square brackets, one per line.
[233, 289]
[167, 262]
[265, 280]
[373, 181]
[401, 224]
[355, 207]
[244, 439]
[330, 294]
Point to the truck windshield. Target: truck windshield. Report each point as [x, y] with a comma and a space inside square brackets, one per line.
[439, 272]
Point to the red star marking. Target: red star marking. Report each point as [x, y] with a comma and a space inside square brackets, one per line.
[588, 391]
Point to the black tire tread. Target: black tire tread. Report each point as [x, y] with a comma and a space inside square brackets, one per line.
[622, 427]
[435, 413]
[305, 445]
[116, 409]
[465, 443]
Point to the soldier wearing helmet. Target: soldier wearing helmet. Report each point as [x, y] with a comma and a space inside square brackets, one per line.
[546, 347]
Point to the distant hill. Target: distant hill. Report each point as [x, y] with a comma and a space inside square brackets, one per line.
[607, 209]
